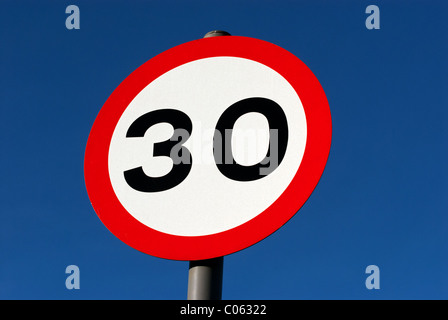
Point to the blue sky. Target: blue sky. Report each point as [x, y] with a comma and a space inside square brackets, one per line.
[382, 199]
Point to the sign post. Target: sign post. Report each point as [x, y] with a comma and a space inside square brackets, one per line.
[168, 167]
[205, 279]
[205, 276]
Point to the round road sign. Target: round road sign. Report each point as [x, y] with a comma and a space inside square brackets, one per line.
[208, 148]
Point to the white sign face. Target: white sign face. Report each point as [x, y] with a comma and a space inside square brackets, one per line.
[208, 148]
[206, 202]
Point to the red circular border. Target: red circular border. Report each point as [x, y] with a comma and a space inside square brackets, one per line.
[163, 245]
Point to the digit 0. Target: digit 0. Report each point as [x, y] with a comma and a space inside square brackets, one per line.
[278, 140]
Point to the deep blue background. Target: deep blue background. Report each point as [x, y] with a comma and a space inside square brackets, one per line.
[382, 199]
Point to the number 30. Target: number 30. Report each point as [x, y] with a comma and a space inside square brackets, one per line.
[222, 148]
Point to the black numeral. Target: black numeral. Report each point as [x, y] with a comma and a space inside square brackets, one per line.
[222, 147]
[222, 144]
[136, 178]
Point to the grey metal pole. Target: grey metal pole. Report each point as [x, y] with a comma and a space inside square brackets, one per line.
[205, 279]
[205, 276]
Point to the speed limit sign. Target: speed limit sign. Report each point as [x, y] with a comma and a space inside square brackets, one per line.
[208, 148]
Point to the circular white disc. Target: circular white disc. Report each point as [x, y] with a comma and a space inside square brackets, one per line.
[206, 202]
